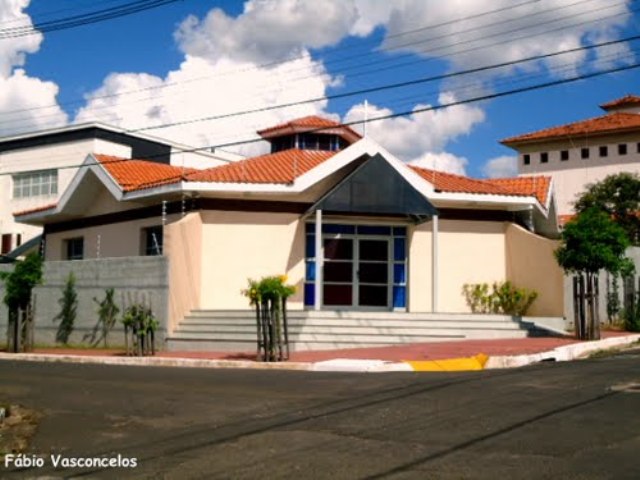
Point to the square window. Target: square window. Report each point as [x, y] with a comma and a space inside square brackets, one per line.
[564, 155]
[544, 157]
[74, 248]
[584, 153]
[604, 151]
[622, 149]
[526, 159]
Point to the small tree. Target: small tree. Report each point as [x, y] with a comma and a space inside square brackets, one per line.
[19, 286]
[591, 242]
[68, 310]
[20, 282]
[618, 196]
[107, 316]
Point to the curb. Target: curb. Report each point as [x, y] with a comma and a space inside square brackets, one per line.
[561, 354]
[474, 363]
[154, 361]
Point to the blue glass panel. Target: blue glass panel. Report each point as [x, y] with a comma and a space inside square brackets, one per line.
[399, 273]
[399, 249]
[400, 231]
[374, 230]
[310, 227]
[309, 294]
[311, 271]
[399, 297]
[311, 246]
[337, 228]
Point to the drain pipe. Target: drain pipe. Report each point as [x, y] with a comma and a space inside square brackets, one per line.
[434, 264]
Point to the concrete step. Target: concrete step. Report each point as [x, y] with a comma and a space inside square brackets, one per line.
[374, 322]
[415, 329]
[368, 315]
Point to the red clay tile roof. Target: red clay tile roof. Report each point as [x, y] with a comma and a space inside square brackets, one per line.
[133, 174]
[279, 167]
[609, 123]
[41, 208]
[625, 101]
[312, 122]
[534, 186]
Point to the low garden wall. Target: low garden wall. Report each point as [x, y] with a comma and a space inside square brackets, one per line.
[134, 279]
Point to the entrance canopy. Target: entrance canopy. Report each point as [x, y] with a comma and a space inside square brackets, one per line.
[375, 187]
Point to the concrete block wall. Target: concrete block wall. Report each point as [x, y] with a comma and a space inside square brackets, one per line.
[135, 280]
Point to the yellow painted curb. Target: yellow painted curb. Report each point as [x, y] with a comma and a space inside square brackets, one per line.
[476, 362]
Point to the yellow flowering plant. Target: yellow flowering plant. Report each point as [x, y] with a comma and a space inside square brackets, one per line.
[268, 288]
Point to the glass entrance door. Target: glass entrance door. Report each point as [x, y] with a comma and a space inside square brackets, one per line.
[356, 271]
[373, 273]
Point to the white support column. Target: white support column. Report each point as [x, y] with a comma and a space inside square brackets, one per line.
[434, 264]
[317, 305]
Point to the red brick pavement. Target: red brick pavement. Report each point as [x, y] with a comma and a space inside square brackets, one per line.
[416, 351]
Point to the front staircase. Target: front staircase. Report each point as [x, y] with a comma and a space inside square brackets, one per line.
[235, 330]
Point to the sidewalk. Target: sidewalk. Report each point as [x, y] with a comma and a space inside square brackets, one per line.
[434, 356]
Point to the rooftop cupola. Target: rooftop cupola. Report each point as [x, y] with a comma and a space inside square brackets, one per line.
[309, 133]
[626, 104]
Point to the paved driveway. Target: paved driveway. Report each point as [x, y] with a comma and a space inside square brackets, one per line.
[549, 421]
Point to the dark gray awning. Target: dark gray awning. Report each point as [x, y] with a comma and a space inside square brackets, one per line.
[375, 187]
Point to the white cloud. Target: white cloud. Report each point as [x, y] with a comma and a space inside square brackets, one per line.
[448, 29]
[443, 162]
[14, 50]
[201, 88]
[504, 166]
[267, 30]
[420, 135]
[22, 97]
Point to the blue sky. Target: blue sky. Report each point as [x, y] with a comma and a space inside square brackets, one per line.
[199, 58]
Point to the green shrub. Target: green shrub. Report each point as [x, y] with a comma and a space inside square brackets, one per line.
[268, 288]
[68, 309]
[140, 319]
[504, 297]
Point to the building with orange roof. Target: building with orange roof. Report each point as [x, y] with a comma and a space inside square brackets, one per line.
[356, 231]
[37, 167]
[583, 152]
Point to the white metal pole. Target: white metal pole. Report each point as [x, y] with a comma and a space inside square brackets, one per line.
[319, 262]
[366, 118]
[434, 264]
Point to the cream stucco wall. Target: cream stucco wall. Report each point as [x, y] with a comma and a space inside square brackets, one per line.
[469, 252]
[419, 284]
[532, 265]
[104, 241]
[183, 247]
[241, 245]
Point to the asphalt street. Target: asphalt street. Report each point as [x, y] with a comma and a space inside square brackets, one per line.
[575, 420]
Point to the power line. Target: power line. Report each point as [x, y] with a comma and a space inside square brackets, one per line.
[83, 19]
[479, 98]
[271, 64]
[388, 86]
[26, 119]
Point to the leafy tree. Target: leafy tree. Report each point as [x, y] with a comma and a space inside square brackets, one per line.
[619, 196]
[20, 282]
[68, 310]
[591, 242]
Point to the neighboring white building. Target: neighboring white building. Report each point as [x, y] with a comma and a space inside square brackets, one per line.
[35, 168]
[583, 152]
